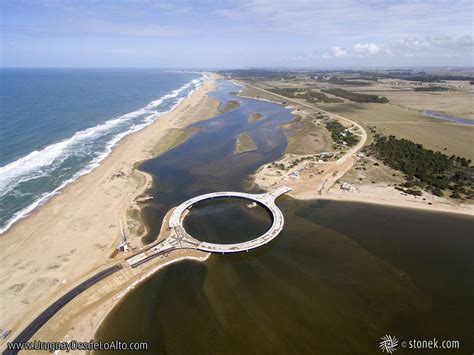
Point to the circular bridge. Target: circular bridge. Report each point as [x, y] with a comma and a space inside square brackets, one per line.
[266, 200]
[180, 239]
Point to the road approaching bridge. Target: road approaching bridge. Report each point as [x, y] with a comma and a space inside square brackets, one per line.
[180, 239]
[49, 312]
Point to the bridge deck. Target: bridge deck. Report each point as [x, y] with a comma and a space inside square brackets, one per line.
[180, 239]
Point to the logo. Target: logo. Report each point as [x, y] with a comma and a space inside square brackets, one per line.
[388, 344]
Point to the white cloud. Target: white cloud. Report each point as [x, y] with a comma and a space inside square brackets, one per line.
[435, 47]
[382, 19]
[366, 49]
[249, 32]
[335, 52]
[360, 50]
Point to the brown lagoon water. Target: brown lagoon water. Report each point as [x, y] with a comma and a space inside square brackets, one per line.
[339, 276]
[227, 221]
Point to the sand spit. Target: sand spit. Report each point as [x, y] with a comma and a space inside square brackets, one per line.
[76, 231]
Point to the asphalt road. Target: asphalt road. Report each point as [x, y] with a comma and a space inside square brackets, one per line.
[49, 312]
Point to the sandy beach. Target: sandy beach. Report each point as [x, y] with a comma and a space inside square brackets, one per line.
[75, 232]
[387, 195]
[318, 181]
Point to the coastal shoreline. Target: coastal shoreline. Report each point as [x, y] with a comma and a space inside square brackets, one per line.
[136, 183]
[381, 199]
[381, 194]
[77, 230]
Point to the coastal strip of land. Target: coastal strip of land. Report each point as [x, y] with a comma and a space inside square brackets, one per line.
[63, 242]
[60, 243]
[319, 180]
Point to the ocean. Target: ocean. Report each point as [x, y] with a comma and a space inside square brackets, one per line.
[59, 124]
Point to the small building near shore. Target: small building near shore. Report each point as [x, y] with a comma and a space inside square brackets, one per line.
[348, 187]
[123, 247]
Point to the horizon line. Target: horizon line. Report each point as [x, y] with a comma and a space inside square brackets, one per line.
[247, 68]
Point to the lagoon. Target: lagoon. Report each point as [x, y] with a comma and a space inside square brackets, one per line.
[339, 276]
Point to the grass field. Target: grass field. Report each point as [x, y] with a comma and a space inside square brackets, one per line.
[390, 119]
[401, 117]
[457, 101]
[231, 105]
[309, 136]
[369, 170]
[244, 144]
[174, 138]
[255, 116]
[257, 94]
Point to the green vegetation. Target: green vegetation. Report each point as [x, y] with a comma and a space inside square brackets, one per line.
[230, 105]
[433, 78]
[357, 97]
[342, 81]
[288, 92]
[244, 144]
[279, 166]
[431, 88]
[308, 135]
[266, 74]
[134, 221]
[349, 76]
[293, 163]
[409, 188]
[341, 135]
[255, 116]
[315, 96]
[413, 192]
[194, 129]
[174, 138]
[307, 94]
[424, 168]
[411, 75]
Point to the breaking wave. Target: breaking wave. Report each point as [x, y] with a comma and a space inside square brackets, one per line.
[59, 164]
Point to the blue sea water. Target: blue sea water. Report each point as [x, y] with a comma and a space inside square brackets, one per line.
[58, 124]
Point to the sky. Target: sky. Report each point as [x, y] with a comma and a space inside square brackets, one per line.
[236, 34]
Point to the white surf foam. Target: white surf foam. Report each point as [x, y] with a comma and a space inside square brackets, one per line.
[35, 163]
